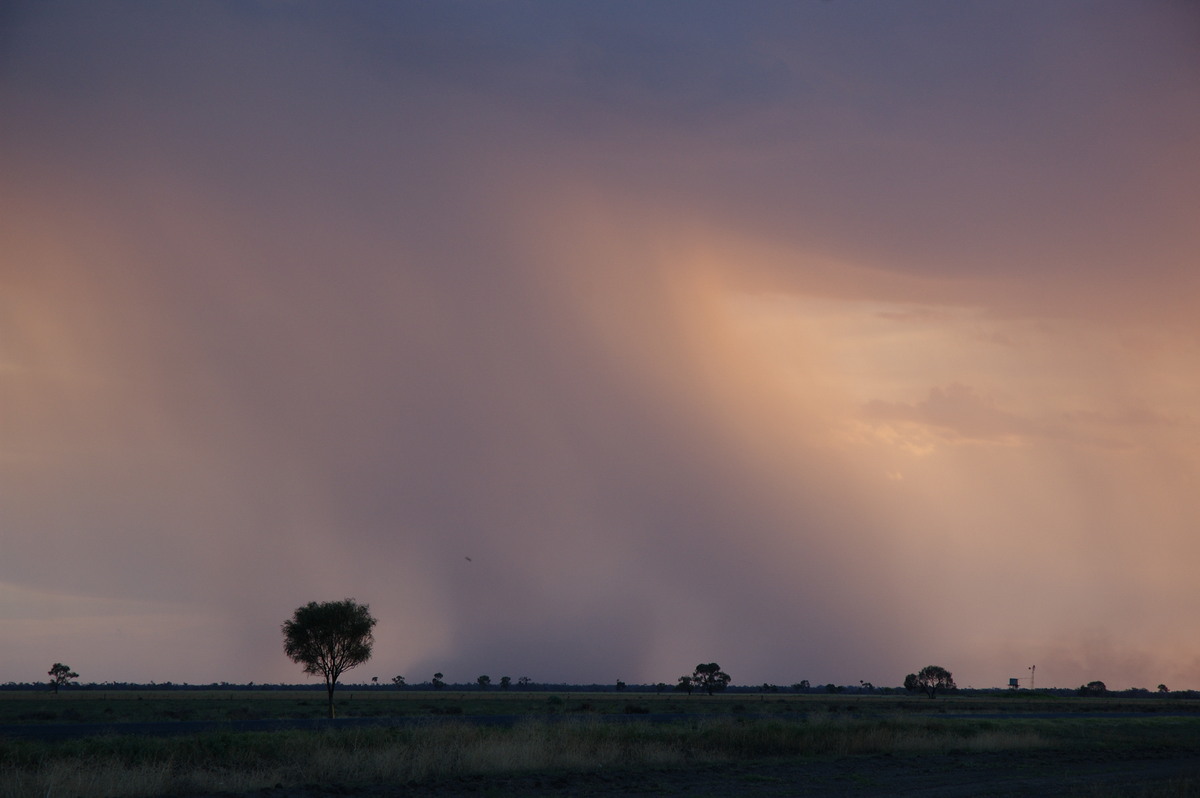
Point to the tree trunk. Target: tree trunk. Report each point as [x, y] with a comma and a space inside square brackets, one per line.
[329, 685]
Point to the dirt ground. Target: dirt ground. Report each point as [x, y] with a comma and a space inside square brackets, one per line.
[873, 776]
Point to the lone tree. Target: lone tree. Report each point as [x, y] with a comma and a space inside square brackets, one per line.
[60, 676]
[484, 681]
[329, 638]
[710, 678]
[931, 678]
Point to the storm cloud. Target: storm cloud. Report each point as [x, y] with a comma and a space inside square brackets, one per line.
[823, 341]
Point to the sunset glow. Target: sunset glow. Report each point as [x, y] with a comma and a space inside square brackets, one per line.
[824, 341]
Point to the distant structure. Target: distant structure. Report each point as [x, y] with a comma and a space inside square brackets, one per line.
[1014, 682]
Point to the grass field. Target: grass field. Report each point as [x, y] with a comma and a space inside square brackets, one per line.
[143, 706]
[560, 733]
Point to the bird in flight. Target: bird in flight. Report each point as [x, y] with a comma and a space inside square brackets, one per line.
[468, 559]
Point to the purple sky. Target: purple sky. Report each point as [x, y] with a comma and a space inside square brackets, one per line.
[823, 340]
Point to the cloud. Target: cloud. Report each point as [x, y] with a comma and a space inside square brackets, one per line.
[958, 413]
[297, 305]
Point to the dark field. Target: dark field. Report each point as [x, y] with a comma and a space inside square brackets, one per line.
[145, 706]
[599, 744]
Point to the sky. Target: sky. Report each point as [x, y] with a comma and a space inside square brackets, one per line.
[591, 341]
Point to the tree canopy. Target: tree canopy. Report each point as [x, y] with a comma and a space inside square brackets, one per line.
[931, 678]
[329, 638]
[61, 675]
[710, 678]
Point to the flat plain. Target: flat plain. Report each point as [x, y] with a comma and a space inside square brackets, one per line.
[541, 743]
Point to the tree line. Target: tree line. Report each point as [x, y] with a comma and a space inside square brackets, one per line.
[330, 638]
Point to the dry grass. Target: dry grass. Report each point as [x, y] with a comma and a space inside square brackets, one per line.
[841, 736]
[128, 767]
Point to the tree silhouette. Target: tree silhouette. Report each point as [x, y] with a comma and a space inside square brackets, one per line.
[329, 638]
[931, 678]
[505, 682]
[60, 676]
[710, 678]
[484, 681]
[438, 684]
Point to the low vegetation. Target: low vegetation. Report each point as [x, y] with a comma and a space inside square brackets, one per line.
[565, 734]
[148, 766]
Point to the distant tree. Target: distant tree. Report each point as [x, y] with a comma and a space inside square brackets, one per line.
[60, 676]
[932, 678]
[1162, 688]
[1093, 688]
[710, 678]
[329, 638]
[438, 684]
[801, 685]
[524, 681]
[911, 684]
[769, 688]
[865, 686]
[398, 681]
[832, 688]
[685, 684]
[484, 681]
[374, 680]
[620, 684]
[660, 686]
[505, 682]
